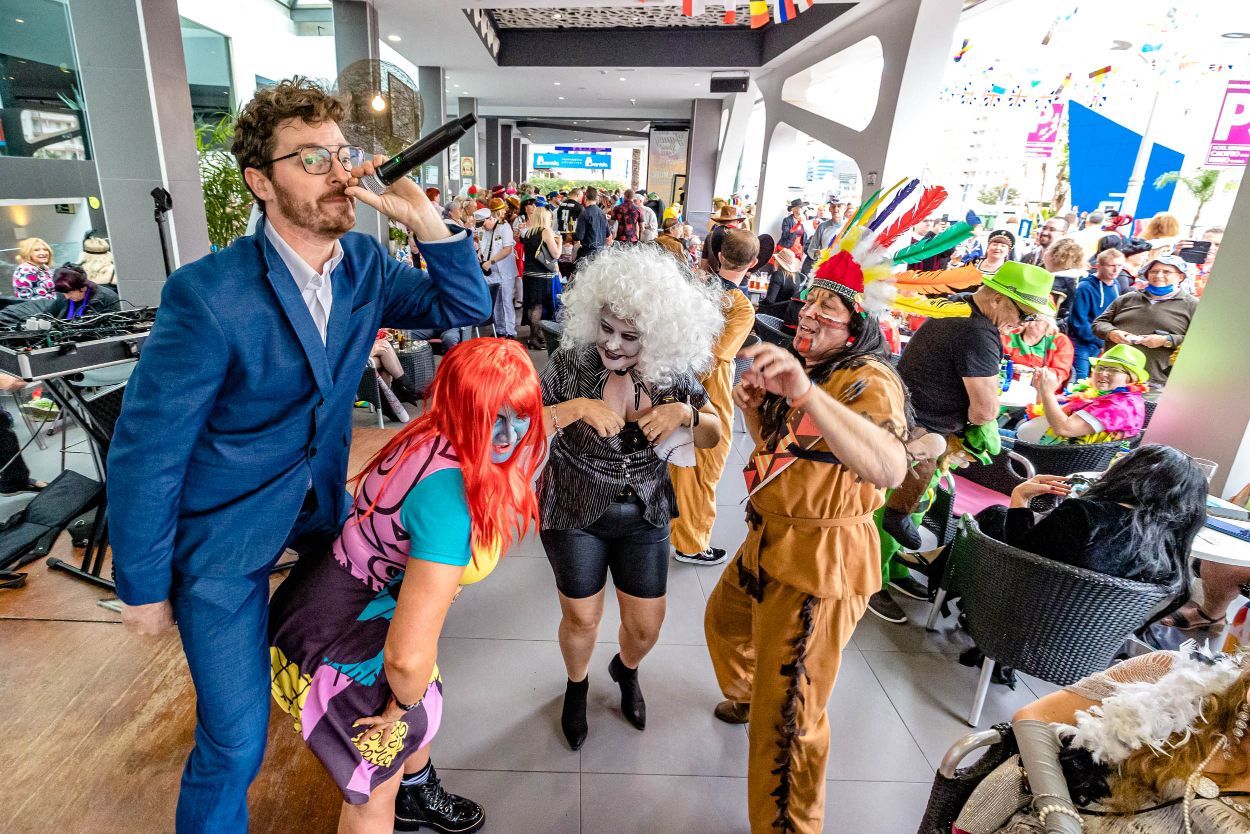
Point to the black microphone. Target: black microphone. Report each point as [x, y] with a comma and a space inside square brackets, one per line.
[415, 154]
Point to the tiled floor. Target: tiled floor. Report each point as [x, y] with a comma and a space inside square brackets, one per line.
[898, 705]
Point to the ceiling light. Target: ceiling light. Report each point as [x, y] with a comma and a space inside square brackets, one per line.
[560, 97]
[378, 103]
[1231, 35]
[393, 38]
[622, 78]
[557, 83]
[19, 20]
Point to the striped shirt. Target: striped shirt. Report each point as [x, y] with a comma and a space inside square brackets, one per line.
[586, 472]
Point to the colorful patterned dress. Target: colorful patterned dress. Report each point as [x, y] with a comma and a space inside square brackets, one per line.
[31, 281]
[1112, 415]
[329, 620]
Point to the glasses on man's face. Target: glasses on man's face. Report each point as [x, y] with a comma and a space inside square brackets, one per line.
[318, 160]
[1024, 315]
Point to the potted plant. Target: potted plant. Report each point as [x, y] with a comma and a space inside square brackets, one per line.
[227, 202]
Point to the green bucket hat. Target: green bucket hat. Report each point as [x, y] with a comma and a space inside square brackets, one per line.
[1127, 357]
[1028, 286]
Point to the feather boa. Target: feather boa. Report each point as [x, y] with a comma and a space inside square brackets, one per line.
[1083, 392]
[1145, 714]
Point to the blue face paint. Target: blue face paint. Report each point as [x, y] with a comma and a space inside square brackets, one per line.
[509, 430]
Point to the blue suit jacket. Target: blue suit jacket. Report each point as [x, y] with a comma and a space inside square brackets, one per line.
[236, 406]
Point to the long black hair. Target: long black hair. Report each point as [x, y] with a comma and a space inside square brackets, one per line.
[869, 345]
[1168, 494]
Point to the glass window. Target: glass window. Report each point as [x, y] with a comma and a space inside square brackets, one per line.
[41, 110]
[207, 54]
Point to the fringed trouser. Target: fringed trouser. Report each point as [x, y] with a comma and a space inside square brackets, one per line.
[780, 649]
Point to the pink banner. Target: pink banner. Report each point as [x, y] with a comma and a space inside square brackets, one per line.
[1230, 143]
[1040, 143]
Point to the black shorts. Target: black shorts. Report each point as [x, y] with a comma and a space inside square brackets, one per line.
[536, 291]
[621, 541]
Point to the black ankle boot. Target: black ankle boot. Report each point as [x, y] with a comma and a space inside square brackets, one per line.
[899, 525]
[573, 716]
[632, 703]
[429, 806]
[404, 391]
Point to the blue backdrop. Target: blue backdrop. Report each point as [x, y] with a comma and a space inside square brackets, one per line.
[1101, 153]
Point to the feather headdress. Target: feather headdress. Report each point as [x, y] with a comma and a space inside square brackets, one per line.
[857, 265]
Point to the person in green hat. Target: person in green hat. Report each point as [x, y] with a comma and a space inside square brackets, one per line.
[1108, 406]
[951, 370]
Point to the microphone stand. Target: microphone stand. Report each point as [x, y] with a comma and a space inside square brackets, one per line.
[163, 201]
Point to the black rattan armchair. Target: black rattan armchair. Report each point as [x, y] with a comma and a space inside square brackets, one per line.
[1068, 458]
[953, 785]
[1047, 619]
[772, 330]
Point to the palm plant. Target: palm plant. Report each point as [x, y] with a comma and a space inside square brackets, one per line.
[227, 202]
[1201, 185]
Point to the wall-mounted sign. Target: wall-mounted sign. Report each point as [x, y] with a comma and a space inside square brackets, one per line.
[65, 208]
[573, 160]
[466, 166]
[1230, 144]
[577, 149]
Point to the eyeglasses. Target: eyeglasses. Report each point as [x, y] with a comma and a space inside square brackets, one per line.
[317, 160]
[1024, 316]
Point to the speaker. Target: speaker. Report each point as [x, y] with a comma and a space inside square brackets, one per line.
[730, 84]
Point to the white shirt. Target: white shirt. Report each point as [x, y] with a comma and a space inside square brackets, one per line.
[314, 287]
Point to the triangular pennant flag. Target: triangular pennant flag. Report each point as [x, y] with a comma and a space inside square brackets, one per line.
[759, 13]
[731, 12]
[692, 8]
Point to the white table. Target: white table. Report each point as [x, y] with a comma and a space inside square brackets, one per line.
[1214, 546]
[1019, 395]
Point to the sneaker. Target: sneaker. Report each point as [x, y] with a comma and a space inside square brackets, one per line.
[711, 556]
[909, 586]
[733, 712]
[884, 606]
[429, 806]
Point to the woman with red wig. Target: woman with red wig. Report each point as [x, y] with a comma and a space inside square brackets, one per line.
[354, 634]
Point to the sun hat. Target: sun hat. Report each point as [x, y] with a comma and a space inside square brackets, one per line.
[1166, 260]
[1127, 357]
[496, 204]
[727, 214]
[1027, 285]
[798, 203]
[786, 260]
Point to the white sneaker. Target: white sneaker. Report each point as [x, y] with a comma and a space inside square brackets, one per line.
[711, 556]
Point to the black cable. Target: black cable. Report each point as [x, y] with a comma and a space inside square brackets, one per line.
[33, 435]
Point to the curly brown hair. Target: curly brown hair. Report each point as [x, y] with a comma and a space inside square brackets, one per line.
[294, 98]
[1065, 253]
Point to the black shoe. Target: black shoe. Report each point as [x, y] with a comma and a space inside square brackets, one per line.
[632, 703]
[429, 806]
[884, 606]
[899, 525]
[404, 391]
[711, 556]
[733, 712]
[573, 716]
[909, 586]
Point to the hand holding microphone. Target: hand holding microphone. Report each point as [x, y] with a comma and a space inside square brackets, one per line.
[382, 185]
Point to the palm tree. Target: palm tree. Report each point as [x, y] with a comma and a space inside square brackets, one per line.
[1201, 185]
[227, 202]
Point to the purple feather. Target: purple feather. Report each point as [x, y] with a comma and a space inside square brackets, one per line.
[902, 195]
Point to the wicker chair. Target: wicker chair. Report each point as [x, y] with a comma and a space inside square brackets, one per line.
[1044, 618]
[1003, 474]
[772, 330]
[369, 391]
[1068, 458]
[741, 365]
[940, 517]
[1151, 405]
[417, 361]
[953, 785]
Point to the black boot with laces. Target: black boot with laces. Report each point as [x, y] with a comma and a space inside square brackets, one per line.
[430, 807]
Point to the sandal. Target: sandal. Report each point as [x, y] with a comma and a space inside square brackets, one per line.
[1182, 621]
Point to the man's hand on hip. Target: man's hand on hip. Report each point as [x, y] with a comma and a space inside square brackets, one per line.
[148, 620]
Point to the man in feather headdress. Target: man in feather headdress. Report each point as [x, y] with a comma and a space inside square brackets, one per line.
[951, 368]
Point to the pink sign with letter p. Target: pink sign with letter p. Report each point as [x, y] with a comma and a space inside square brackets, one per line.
[1230, 143]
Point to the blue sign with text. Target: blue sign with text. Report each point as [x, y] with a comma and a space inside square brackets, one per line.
[573, 160]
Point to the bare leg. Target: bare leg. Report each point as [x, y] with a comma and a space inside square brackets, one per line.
[417, 761]
[579, 628]
[384, 352]
[640, 626]
[1221, 584]
[377, 816]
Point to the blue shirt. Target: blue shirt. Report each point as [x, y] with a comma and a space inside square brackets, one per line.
[1092, 297]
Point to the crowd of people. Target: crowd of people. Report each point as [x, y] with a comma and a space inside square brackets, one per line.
[612, 456]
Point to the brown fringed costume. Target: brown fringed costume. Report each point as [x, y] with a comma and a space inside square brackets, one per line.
[786, 606]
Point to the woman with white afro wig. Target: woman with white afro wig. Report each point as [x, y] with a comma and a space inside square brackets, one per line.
[622, 400]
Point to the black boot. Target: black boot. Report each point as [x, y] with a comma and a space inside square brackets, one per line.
[899, 525]
[404, 390]
[573, 716]
[429, 806]
[632, 703]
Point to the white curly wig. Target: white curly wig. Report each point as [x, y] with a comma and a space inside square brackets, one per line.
[678, 317]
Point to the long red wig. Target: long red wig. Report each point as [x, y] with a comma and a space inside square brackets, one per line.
[473, 383]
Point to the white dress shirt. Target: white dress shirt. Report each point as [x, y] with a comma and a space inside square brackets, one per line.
[313, 286]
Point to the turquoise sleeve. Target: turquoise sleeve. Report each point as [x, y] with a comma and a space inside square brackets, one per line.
[435, 513]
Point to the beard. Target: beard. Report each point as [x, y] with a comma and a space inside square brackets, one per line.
[324, 216]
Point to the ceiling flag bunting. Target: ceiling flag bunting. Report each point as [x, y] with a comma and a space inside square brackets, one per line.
[759, 13]
[692, 8]
[784, 10]
[731, 12]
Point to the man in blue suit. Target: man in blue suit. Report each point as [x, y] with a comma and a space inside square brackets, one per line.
[233, 440]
